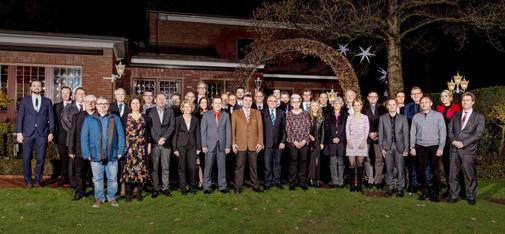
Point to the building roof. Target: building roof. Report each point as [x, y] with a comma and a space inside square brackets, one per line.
[183, 61]
[63, 41]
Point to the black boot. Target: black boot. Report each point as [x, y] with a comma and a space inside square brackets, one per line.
[139, 193]
[360, 179]
[128, 192]
[351, 179]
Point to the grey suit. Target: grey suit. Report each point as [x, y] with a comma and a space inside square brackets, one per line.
[216, 137]
[469, 136]
[161, 153]
[394, 142]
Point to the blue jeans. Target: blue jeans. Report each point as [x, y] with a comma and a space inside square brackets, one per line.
[110, 169]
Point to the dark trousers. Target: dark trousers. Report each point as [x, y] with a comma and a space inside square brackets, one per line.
[252, 158]
[467, 162]
[315, 162]
[39, 144]
[412, 166]
[297, 164]
[65, 164]
[187, 159]
[426, 154]
[447, 168]
[272, 166]
[81, 168]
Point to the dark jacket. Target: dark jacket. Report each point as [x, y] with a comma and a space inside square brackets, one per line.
[114, 109]
[184, 137]
[469, 136]
[274, 134]
[74, 135]
[28, 118]
[60, 132]
[164, 129]
[331, 130]
[373, 118]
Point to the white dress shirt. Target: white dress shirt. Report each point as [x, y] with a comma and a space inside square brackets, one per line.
[468, 114]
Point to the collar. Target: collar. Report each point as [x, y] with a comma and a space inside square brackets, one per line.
[468, 111]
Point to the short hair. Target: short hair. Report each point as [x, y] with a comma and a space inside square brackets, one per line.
[416, 87]
[216, 98]
[295, 96]
[339, 100]
[248, 96]
[397, 92]
[307, 90]
[449, 93]
[175, 94]
[373, 91]
[161, 94]
[202, 82]
[284, 93]
[427, 97]
[80, 88]
[391, 99]
[240, 87]
[259, 91]
[66, 87]
[90, 97]
[470, 94]
[272, 96]
[190, 103]
[31, 82]
[102, 98]
[119, 90]
[147, 91]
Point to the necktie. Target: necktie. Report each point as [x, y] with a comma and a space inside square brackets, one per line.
[272, 116]
[373, 109]
[246, 111]
[121, 109]
[80, 108]
[216, 117]
[37, 104]
[464, 120]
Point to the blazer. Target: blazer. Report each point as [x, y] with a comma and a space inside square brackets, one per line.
[263, 106]
[401, 133]
[74, 135]
[162, 129]
[30, 121]
[61, 132]
[247, 134]
[114, 109]
[212, 134]
[274, 134]
[373, 118]
[331, 130]
[184, 137]
[470, 135]
[67, 115]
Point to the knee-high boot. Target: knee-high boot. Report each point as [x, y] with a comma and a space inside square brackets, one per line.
[352, 179]
[128, 192]
[360, 178]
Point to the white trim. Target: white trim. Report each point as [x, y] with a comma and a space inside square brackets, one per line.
[186, 63]
[41, 65]
[297, 76]
[217, 20]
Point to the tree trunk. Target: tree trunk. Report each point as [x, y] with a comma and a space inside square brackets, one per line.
[394, 75]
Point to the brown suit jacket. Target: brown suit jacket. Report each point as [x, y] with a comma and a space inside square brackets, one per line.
[246, 135]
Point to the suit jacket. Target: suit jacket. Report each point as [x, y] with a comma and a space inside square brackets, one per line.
[255, 106]
[274, 134]
[61, 132]
[401, 133]
[184, 137]
[67, 115]
[247, 134]
[114, 109]
[74, 135]
[470, 135]
[212, 134]
[373, 118]
[410, 110]
[162, 129]
[331, 130]
[28, 118]
[284, 107]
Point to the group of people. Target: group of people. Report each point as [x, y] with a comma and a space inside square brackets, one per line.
[131, 144]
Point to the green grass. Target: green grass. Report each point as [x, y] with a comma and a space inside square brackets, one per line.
[313, 211]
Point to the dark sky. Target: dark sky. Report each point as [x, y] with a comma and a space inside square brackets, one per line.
[481, 63]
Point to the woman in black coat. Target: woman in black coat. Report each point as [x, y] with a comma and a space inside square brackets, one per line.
[334, 129]
[187, 144]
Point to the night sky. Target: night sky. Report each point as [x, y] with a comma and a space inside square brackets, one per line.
[482, 64]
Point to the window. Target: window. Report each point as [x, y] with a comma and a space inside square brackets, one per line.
[3, 79]
[24, 76]
[139, 85]
[243, 47]
[217, 87]
[66, 76]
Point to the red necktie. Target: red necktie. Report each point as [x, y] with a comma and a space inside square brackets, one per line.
[464, 120]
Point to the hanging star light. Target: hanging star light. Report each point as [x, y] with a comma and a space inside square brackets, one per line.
[342, 49]
[383, 73]
[365, 54]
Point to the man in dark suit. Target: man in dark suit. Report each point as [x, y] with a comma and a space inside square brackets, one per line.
[120, 108]
[400, 101]
[275, 138]
[394, 146]
[34, 127]
[375, 162]
[465, 130]
[259, 99]
[201, 90]
[163, 126]
[61, 134]
[81, 165]
[284, 104]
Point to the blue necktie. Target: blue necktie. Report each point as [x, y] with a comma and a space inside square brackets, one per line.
[120, 108]
[272, 116]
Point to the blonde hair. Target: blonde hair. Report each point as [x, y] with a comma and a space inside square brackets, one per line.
[449, 93]
[190, 103]
[319, 111]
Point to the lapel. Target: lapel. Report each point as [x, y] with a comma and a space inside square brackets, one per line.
[457, 123]
[397, 122]
[30, 101]
[469, 121]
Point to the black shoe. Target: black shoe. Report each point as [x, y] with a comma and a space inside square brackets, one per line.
[434, 197]
[77, 197]
[445, 194]
[223, 190]
[206, 191]
[155, 194]
[258, 190]
[462, 195]
[184, 191]
[238, 191]
[379, 186]
[311, 183]
[369, 186]
[388, 194]
[167, 192]
[304, 187]
[400, 193]
[339, 186]
[414, 189]
[450, 200]
[292, 187]
[471, 202]
[192, 191]
[317, 184]
[423, 197]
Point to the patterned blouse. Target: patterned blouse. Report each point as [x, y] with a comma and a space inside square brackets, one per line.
[297, 127]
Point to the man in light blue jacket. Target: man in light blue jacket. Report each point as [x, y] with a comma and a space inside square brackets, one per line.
[103, 143]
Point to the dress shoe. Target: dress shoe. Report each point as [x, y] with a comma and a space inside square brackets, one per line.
[304, 187]
[311, 183]
[37, 185]
[223, 190]
[155, 194]
[388, 194]
[292, 187]
[206, 191]
[369, 186]
[379, 186]
[445, 194]
[400, 193]
[317, 184]
[184, 191]
[471, 202]
[340, 186]
[97, 204]
[28, 186]
[258, 190]
[423, 197]
[434, 197]
[77, 197]
[167, 192]
[192, 191]
[451, 200]
[462, 195]
[238, 191]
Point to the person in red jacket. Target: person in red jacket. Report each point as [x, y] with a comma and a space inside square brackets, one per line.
[448, 109]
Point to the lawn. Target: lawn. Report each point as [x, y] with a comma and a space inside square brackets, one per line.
[50, 210]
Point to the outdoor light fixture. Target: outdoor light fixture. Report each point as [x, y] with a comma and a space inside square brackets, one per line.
[458, 84]
[332, 96]
[258, 83]
[119, 70]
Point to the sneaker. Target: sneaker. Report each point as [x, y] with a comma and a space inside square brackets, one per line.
[114, 203]
[97, 204]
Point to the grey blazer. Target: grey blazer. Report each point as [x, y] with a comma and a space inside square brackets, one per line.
[401, 133]
[470, 135]
[162, 129]
[212, 134]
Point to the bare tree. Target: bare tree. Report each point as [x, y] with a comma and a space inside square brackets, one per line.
[395, 23]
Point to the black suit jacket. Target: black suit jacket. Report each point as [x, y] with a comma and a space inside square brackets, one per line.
[255, 106]
[114, 109]
[470, 135]
[274, 134]
[61, 133]
[373, 118]
[184, 137]
[164, 129]
[331, 130]
[74, 135]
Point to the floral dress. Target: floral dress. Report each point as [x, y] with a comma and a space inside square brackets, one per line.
[135, 170]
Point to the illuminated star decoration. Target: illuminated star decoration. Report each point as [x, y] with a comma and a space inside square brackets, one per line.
[342, 49]
[383, 73]
[365, 54]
